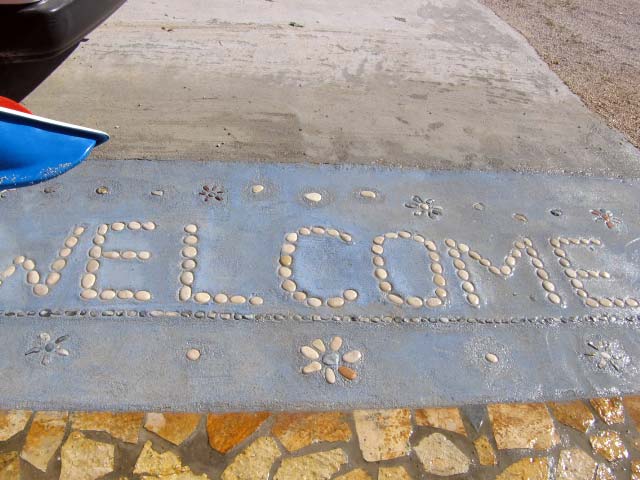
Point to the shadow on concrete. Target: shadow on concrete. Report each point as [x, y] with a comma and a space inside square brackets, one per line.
[17, 80]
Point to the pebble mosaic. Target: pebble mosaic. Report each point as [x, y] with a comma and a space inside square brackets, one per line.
[309, 280]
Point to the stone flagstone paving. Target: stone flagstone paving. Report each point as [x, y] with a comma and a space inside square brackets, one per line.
[596, 439]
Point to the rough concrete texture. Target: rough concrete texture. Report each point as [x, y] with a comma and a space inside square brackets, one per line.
[441, 85]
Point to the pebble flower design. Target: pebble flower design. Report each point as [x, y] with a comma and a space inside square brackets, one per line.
[602, 215]
[328, 361]
[212, 192]
[424, 207]
[608, 354]
[48, 348]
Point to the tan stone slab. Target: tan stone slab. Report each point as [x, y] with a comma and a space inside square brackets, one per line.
[227, 430]
[609, 444]
[298, 430]
[485, 452]
[9, 466]
[12, 422]
[575, 464]
[393, 473]
[526, 469]
[357, 474]
[163, 466]
[85, 459]
[526, 425]
[173, 427]
[440, 456]
[610, 410]
[122, 426]
[442, 418]
[573, 414]
[632, 405]
[44, 438]
[383, 434]
[254, 463]
[315, 466]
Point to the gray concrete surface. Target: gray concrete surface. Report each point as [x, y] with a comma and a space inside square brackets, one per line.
[435, 84]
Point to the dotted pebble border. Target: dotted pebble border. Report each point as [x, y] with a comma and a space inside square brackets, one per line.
[382, 274]
[285, 271]
[279, 317]
[89, 290]
[577, 276]
[187, 276]
[57, 266]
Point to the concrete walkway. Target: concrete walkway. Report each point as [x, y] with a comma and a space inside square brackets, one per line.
[439, 85]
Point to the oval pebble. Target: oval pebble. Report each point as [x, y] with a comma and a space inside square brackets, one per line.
[385, 286]
[28, 264]
[193, 354]
[605, 302]
[288, 249]
[88, 294]
[143, 296]
[314, 302]
[186, 278]
[33, 277]
[149, 225]
[554, 298]
[191, 228]
[491, 358]
[111, 255]
[395, 299]
[368, 194]
[257, 188]
[291, 237]
[108, 294]
[285, 272]
[95, 252]
[330, 376]
[434, 302]
[289, 285]
[473, 299]
[125, 294]
[88, 280]
[548, 286]
[347, 372]
[350, 295]
[378, 261]
[352, 356]
[312, 367]
[220, 298]
[309, 352]
[439, 280]
[134, 225]
[238, 299]
[256, 301]
[381, 273]
[117, 226]
[144, 255]
[189, 252]
[414, 301]
[313, 197]
[591, 302]
[185, 293]
[71, 242]
[190, 240]
[53, 278]
[202, 297]
[59, 264]
[40, 290]
[336, 343]
[128, 255]
[335, 302]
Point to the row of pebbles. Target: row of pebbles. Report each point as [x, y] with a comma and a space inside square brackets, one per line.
[382, 275]
[34, 277]
[88, 281]
[456, 250]
[285, 271]
[187, 276]
[577, 276]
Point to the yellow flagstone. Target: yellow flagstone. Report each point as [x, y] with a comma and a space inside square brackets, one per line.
[12, 422]
[485, 452]
[574, 464]
[315, 466]
[383, 434]
[227, 430]
[393, 473]
[357, 474]
[573, 414]
[609, 445]
[298, 430]
[254, 463]
[526, 469]
[173, 427]
[163, 466]
[122, 426]
[526, 425]
[442, 418]
[9, 466]
[610, 410]
[440, 456]
[85, 459]
[44, 438]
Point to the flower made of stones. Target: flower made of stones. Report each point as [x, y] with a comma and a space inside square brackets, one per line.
[327, 361]
[608, 354]
[421, 207]
[48, 348]
[602, 215]
[214, 192]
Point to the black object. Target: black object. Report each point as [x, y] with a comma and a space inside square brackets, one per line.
[36, 38]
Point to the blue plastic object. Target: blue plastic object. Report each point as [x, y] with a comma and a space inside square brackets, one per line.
[34, 149]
